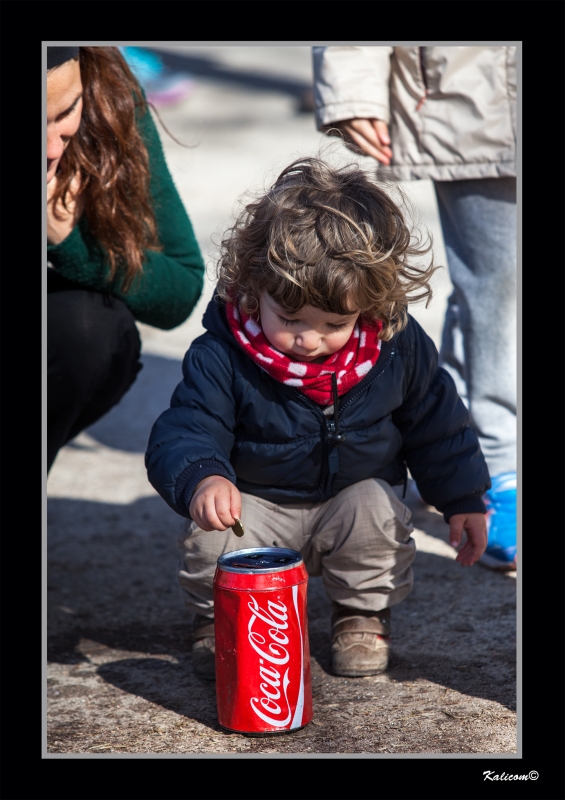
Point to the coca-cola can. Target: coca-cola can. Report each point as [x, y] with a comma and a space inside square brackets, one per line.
[263, 683]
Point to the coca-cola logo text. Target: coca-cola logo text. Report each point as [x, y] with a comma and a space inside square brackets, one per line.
[275, 654]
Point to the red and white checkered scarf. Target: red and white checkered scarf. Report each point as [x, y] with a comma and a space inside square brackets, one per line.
[351, 363]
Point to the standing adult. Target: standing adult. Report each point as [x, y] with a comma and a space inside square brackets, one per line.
[448, 114]
[121, 247]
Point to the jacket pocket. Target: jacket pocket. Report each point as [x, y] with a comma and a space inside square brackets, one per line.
[369, 452]
[296, 463]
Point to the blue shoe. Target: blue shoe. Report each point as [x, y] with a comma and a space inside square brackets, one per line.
[500, 501]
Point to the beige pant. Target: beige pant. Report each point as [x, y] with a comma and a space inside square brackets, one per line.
[359, 542]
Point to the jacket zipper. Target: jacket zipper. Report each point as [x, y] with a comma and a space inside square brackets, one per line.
[336, 437]
[367, 381]
[331, 428]
[362, 386]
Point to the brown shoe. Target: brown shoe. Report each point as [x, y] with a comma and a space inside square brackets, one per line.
[361, 641]
[204, 648]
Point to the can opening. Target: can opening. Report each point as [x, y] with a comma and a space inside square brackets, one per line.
[260, 558]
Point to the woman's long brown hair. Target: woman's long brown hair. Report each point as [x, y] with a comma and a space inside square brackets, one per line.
[111, 158]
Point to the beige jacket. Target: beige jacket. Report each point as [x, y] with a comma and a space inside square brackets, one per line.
[451, 110]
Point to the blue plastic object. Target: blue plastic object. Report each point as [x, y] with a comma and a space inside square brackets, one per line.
[145, 65]
[501, 520]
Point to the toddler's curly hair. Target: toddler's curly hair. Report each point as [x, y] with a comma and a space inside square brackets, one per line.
[327, 237]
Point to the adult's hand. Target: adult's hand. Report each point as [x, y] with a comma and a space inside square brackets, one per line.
[368, 135]
[215, 504]
[61, 220]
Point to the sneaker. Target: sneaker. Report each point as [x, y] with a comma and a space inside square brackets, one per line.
[162, 87]
[145, 64]
[170, 90]
[204, 648]
[361, 641]
[500, 501]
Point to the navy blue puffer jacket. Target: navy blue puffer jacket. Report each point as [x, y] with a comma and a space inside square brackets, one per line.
[228, 417]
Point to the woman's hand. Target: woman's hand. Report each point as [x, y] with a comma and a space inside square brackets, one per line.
[368, 135]
[61, 220]
[215, 504]
[475, 526]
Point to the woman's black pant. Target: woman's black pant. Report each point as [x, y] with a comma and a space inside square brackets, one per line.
[93, 350]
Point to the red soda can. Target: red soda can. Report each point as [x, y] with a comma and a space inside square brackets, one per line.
[263, 683]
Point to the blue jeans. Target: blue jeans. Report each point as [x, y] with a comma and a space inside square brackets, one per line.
[478, 349]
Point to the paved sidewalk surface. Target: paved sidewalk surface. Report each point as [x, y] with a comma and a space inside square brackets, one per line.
[119, 642]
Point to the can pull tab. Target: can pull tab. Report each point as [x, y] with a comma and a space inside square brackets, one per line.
[237, 528]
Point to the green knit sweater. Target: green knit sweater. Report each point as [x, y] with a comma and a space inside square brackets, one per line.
[167, 290]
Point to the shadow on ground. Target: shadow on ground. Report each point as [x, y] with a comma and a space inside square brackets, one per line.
[112, 591]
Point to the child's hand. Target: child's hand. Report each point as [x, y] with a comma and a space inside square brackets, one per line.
[475, 526]
[215, 504]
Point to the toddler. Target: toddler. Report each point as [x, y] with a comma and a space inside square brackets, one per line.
[308, 398]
